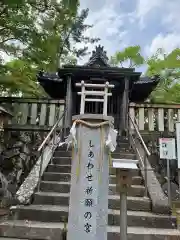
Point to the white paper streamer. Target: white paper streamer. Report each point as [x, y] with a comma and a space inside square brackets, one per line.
[111, 140]
[71, 139]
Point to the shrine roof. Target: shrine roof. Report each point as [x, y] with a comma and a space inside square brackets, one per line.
[143, 88]
[97, 65]
[80, 72]
[97, 68]
[139, 90]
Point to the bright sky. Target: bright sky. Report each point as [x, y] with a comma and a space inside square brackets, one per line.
[121, 23]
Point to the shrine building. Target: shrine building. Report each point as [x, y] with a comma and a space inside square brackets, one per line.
[129, 86]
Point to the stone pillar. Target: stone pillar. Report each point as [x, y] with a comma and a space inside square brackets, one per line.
[124, 107]
[88, 208]
[68, 105]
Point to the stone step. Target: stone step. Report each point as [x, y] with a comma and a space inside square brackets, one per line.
[136, 180]
[114, 155]
[31, 230]
[54, 198]
[6, 238]
[67, 160]
[62, 153]
[123, 155]
[137, 172]
[52, 231]
[65, 168]
[64, 148]
[57, 177]
[52, 213]
[121, 144]
[141, 233]
[64, 187]
[66, 177]
[123, 148]
[142, 219]
[58, 168]
[62, 160]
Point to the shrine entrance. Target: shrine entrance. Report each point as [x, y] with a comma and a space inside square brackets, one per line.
[113, 108]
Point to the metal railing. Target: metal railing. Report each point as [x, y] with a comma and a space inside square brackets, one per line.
[53, 142]
[143, 159]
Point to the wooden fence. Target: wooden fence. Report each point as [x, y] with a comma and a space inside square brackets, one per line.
[33, 114]
[41, 114]
[155, 117]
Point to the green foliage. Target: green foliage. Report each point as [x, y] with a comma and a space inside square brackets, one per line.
[20, 77]
[130, 54]
[39, 34]
[167, 66]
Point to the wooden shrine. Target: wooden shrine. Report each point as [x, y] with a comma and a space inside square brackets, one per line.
[129, 87]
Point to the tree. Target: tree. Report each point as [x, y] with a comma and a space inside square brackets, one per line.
[20, 78]
[167, 67]
[130, 55]
[40, 35]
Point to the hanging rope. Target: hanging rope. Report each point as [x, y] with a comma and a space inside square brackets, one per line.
[93, 125]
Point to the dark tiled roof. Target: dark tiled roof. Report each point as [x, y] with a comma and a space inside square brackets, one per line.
[145, 79]
[98, 54]
[49, 76]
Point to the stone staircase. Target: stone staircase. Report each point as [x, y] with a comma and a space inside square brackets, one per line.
[45, 217]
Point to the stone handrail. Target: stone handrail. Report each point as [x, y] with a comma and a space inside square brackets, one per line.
[152, 186]
[159, 200]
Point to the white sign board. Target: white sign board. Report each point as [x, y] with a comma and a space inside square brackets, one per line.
[125, 164]
[167, 148]
[178, 142]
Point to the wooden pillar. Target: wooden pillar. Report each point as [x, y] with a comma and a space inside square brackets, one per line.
[68, 116]
[124, 107]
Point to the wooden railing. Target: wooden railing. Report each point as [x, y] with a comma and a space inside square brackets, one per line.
[33, 114]
[155, 117]
[41, 114]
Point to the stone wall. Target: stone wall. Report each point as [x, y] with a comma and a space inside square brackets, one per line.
[18, 154]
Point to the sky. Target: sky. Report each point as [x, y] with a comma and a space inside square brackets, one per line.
[152, 24]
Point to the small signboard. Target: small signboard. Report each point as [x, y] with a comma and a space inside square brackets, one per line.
[125, 164]
[167, 148]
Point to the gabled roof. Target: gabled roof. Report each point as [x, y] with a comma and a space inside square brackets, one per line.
[98, 57]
